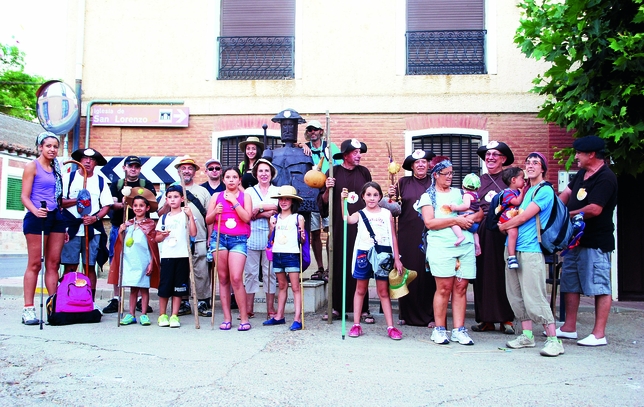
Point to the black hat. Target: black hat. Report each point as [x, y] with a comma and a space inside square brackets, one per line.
[589, 144]
[132, 159]
[348, 146]
[91, 153]
[497, 145]
[288, 114]
[417, 155]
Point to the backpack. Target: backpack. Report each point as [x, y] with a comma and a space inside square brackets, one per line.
[493, 216]
[121, 182]
[557, 232]
[72, 303]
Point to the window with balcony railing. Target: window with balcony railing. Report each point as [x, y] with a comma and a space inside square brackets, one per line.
[257, 39]
[445, 37]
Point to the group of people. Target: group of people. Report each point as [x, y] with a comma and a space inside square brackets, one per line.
[238, 212]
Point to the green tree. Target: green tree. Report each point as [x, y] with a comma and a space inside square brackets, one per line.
[17, 89]
[594, 83]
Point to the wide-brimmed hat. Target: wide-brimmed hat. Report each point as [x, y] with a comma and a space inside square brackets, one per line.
[263, 161]
[140, 191]
[415, 156]
[497, 145]
[187, 160]
[349, 145]
[398, 283]
[91, 153]
[286, 191]
[251, 140]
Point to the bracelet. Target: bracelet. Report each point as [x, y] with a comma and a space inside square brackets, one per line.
[236, 205]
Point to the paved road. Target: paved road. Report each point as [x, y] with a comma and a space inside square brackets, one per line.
[105, 365]
[12, 266]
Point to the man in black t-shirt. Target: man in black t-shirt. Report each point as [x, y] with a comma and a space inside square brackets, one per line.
[213, 172]
[132, 170]
[586, 268]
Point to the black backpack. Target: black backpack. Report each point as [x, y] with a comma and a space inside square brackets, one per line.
[493, 216]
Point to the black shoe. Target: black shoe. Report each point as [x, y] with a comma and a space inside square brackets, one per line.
[139, 306]
[184, 309]
[112, 307]
[203, 309]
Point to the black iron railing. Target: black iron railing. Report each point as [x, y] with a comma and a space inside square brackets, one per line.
[456, 52]
[256, 57]
[460, 148]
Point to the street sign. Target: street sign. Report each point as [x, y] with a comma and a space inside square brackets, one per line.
[157, 170]
[140, 116]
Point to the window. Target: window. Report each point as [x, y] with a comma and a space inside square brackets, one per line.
[257, 39]
[230, 153]
[460, 148]
[445, 37]
[14, 187]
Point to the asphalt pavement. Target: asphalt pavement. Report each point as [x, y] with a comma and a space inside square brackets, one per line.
[105, 365]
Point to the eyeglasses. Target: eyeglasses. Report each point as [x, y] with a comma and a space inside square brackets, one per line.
[532, 163]
[214, 168]
[447, 174]
[493, 155]
[311, 129]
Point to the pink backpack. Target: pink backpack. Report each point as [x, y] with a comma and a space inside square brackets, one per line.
[74, 294]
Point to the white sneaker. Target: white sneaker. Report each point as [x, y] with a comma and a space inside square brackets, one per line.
[553, 347]
[439, 336]
[521, 341]
[591, 340]
[29, 316]
[562, 334]
[461, 336]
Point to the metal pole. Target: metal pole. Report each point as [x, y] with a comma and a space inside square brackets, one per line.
[329, 240]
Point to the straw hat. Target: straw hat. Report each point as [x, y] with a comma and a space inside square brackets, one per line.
[287, 191]
[398, 284]
[263, 161]
[251, 140]
[186, 159]
[145, 193]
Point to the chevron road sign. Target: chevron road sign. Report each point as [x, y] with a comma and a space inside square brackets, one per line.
[155, 169]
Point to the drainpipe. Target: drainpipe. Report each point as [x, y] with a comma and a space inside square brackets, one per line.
[122, 102]
[80, 41]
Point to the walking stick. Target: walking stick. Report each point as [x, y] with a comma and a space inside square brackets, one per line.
[301, 287]
[329, 240]
[215, 272]
[344, 267]
[43, 205]
[126, 208]
[193, 287]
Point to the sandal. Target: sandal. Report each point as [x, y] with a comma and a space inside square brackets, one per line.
[244, 327]
[325, 276]
[318, 275]
[336, 316]
[250, 315]
[483, 327]
[367, 318]
[431, 325]
[225, 326]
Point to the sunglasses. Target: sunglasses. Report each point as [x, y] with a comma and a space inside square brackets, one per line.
[214, 168]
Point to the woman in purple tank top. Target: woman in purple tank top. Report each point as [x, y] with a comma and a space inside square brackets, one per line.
[41, 192]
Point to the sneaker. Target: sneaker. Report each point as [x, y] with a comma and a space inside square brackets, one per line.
[591, 340]
[439, 336]
[274, 321]
[296, 326]
[521, 341]
[512, 262]
[553, 347]
[203, 309]
[461, 336]
[562, 334]
[355, 331]
[507, 328]
[184, 308]
[112, 307]
[394, 333]
[139, 307]
[163, 320]
[29, 316]
[174, 322]
[128, 319]
[144, 320]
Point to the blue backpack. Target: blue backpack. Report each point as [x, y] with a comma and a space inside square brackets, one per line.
[557, 232]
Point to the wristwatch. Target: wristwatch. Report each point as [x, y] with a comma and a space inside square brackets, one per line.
[261, 208]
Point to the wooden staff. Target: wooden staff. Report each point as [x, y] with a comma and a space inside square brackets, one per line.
[121, 289]
[301, 284]
[329, 240]
[193, 286]
[215, 272]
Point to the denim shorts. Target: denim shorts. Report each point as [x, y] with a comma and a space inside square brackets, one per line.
[234, 244]
[586, 271]
[362, 269]
[114, 234]
[53, 223]
[286, 262]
